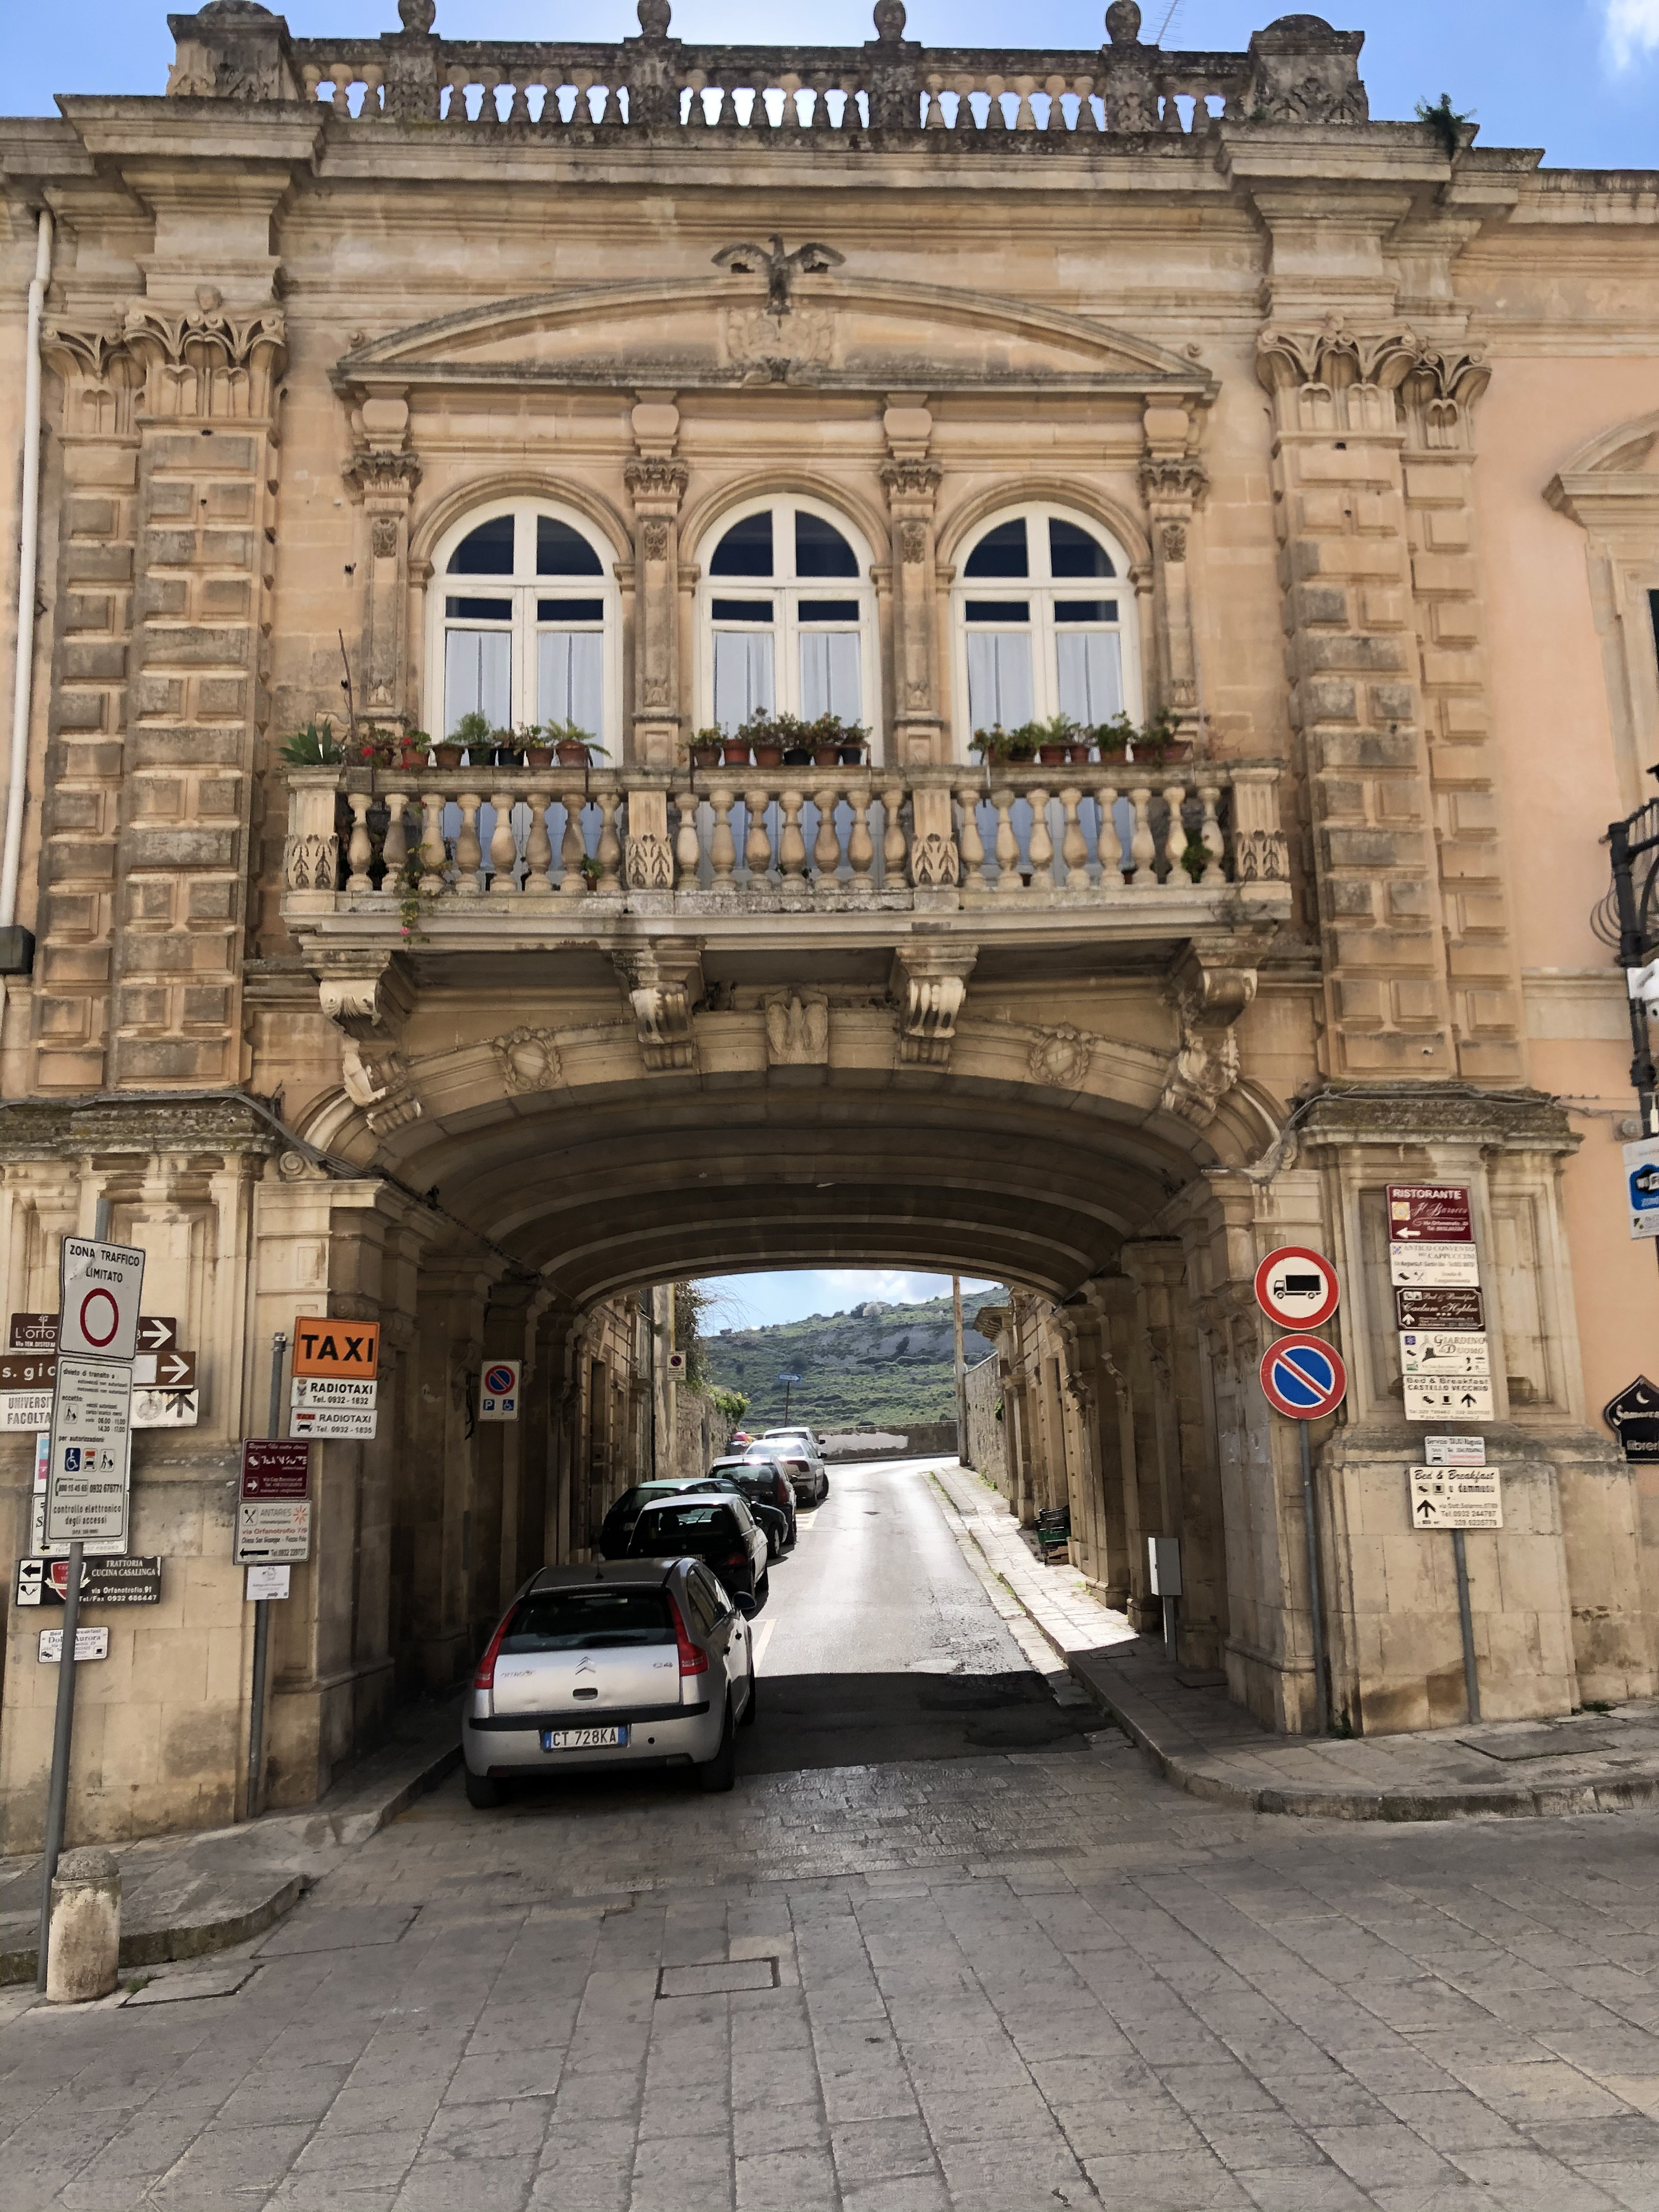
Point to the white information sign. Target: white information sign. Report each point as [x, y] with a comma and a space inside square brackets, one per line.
[1455, 1498]
[1642, 1186]
[89, 1468]
[39, 1548]
[498, 1390]
[1443, 1352]
[332, 1421]
[166, 1409]
[101, 1285]
[89, 1644]
[270, 1529]
[1454, 1451]
[1434, 1266]
[1459, 1398]
[23, 1410]
[265, 1583]
[311, 1393]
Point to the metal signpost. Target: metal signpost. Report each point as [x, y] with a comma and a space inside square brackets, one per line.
[1455, 1489]
[99, 1286]
[268, 1471]
[1303, 1377]
[788, 1383]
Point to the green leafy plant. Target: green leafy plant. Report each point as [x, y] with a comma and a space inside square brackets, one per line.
[1194, 860]
[733, 1403]
[1446, 122]
[413, 903]
[472, 731]
[590, 873]
[572, 733]
[315, 746]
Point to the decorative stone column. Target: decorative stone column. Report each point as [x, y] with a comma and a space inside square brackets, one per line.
[1172, 482]
[656, 484]
[385, 472]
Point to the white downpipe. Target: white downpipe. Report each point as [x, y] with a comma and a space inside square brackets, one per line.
[27, 564]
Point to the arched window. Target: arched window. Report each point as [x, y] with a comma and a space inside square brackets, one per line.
[525, 622]
[787, 618]
[1043, 623]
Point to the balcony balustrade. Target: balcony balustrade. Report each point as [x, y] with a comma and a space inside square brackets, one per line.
[504, 850]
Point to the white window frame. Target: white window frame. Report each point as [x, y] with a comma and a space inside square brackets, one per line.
[1041, 591]
[786, 590]
[524, 591]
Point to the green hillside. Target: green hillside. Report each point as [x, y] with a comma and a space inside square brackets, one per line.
[878, 1366]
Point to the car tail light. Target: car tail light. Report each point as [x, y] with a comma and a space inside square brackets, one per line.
[485, 1677]
[735, 1559]
[692, 1660]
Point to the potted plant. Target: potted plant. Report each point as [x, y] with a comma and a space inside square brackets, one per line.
[854, 745]
[1116, 738]
[506, 749]
[990, 745]
[591, 871]
[768, 735]
[537, 746]
[1021, 748]
[1155, 742]
[1054, 743]
[572, 745]
[470, 736]
[824, 736]
[705, 748]
[315, 746]
[415, 745]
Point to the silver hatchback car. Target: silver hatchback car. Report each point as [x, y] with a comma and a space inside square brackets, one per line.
[627, 1662]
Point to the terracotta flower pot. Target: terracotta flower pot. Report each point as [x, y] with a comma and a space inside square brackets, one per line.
[448, 756]
[538, 756]
[705, 756]
[768, 757]
[1054, 755]
[572, 755]
[734, 754]
[826, 757]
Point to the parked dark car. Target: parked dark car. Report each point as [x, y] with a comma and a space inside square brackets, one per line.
[770, 1493]
[715, 1526]
[618, 1523]
[798, 1461]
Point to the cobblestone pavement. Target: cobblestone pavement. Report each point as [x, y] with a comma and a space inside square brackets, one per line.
[1004, 1982]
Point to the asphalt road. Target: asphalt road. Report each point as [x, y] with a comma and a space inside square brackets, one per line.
[879, 1644]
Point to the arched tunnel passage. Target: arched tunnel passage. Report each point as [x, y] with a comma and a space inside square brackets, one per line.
[549, 1216]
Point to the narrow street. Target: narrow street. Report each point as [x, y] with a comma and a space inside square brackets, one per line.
[947, 1948]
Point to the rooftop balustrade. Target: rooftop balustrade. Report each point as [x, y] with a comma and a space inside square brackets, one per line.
[493, 855]
[1297, 70]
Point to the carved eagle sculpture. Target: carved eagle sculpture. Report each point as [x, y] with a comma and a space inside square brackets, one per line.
[780, 269]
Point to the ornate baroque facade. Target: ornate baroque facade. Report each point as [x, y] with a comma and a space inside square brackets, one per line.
[644, 387]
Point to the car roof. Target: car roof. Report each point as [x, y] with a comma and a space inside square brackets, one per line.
[646, 1573]
[701, 1498]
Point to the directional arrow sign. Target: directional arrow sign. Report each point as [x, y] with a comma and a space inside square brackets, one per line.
[157, 1332]
[165, 1370]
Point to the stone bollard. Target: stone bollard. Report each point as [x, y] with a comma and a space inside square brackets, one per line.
[85, 1944]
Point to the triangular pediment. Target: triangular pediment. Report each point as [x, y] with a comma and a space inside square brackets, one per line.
[866, 334]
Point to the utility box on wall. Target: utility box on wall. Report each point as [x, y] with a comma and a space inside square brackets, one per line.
[1163, 1565]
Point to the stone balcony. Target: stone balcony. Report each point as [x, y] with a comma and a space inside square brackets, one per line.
[502, 858]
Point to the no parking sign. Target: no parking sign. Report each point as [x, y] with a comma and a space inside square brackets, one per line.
[1303, 1377]
[498, 1395]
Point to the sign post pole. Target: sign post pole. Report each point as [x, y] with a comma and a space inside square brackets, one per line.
[62, 1736]
[256, 1725]
[1465, 1622]
[1315, 1588]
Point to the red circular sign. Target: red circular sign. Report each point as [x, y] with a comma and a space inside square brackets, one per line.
[91, 1299]
[1296, 1287]
[1303, 1377]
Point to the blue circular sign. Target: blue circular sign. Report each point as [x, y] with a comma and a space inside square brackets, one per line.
[1303, 1377]
[498, 1382]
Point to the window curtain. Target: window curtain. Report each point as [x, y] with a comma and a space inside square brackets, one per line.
[570, 678]
[999, 678]
[742, 675]
[831, 677]
[1091, 674]
[477, 677]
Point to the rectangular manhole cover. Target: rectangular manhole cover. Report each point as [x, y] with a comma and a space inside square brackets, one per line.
[1538, 1743]
[721, 1978]
[180, 1989]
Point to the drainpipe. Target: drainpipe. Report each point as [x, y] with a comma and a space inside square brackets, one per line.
[12, 950]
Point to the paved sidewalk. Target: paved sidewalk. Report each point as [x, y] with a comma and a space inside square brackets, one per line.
[185, 1895]
[1591, 1763]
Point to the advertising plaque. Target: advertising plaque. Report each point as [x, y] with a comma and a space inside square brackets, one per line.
[273, 1510]
[311, 1393]
[89, 1644]
[87, 1472]
[274, 1466]
[1428, 1213]
[1455, 1498]
[266, 1582]
[33, 1332]
[134, 1580]
[1454, 1451]
[1439, 1308]
[1460, 1398]
[1434, 1266]
[1633, 1416]
[1443, 1352]
[336, 1421]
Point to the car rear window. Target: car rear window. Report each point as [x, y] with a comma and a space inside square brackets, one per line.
[681, 1528]
[588, 1619]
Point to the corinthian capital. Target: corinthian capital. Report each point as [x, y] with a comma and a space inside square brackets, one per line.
[656, 482]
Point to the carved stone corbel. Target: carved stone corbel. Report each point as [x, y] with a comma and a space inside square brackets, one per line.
[664, 985]
[928, 984]
[1207, 1001]
[368, 998]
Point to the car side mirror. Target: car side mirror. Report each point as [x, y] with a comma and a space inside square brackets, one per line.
[745, 1605]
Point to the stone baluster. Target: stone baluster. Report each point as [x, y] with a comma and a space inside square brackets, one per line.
[435, 857]
[520, 111]
[1142, 846]
[469, 852]
[538, 851]
[360, 846]
[1074, 845]
[459, 77]
[608, 851]
[572, 847]
[504, 848]
[895, 853]
[826, 846]
[1210, 837]
[757, 845]
[722, 849]
[1043, 843]
[793, 854]
[1175, 839]
[861, 845]
[1009, 884]
[1111, 845]
[688, 851]
[395, 851]
[373, 80]
[969, 843]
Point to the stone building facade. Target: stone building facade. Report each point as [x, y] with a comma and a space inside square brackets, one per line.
[645, 386]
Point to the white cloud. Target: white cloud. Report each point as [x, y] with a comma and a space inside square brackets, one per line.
[1632, 30]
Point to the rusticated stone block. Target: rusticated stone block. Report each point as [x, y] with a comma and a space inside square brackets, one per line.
[227, 548]
[63, 1020]
[226, 595]
[144, 1005]
[1363, 1000]
[1346, 464]
[169, 549]
[70, 1070]
[1400, 799]
[1340, 795]
[1479, 958]
[1479, 911]
[181, 848]
[158, 697]
[213, 900]
[1318, 603]
[90, 518]
[62, 965]
[1365, 749]
[218, 795]
[1347, 848]
[194, 645]
[97, 564]
[1349, 651]
[230, 502]
[89, 662]
[169, 1060]
[70, 809]
[1461, 863]
[82, 710]
[207, 1005]
[80, 859]
[84, 611]
[186, 747]
[73, 914]
[222, 698]
[1415, 999]
[157, 796]
[1393, 702]
[1396, 1052]
[1384, 948]
[168, 953]
[1407, 898]
[161, 595]
[150, 901]
[1328, 702]
[1351, 897]
[171, 495]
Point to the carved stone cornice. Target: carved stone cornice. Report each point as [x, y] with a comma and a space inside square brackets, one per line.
[74, 1129]
[929, 985]
[1334, 378]
[1173, 479]
[379, 475]
[207, 362]
[1420, 1115]
[654, 484]
[912, 485]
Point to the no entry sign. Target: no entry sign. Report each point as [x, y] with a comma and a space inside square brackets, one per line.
[99, 1290]
[1296, 1288]
[1303, 1377]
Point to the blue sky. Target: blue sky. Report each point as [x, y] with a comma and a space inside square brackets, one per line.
[759, 1301]
[1578, 77]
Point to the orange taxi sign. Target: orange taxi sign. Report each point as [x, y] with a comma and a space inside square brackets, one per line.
[336, 1348]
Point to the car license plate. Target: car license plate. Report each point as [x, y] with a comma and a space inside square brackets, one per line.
[589, 1739]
